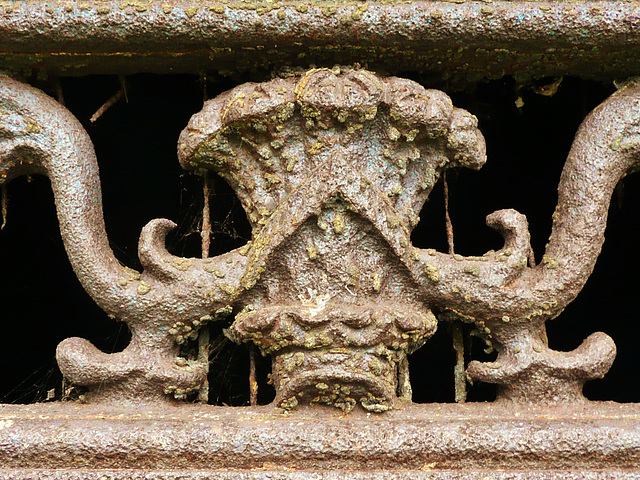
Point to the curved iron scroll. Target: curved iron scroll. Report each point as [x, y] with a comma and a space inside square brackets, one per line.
[165, 303]
[332, 169]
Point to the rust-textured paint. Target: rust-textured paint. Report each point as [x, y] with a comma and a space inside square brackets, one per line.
[449, 41]
[163, 306]
[446, 441]
[332, 167]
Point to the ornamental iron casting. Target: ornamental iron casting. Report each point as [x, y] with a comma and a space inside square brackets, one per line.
[332, 168]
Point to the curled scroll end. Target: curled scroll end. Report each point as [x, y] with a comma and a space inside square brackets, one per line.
[594, 356]
[465, 141]
[514, 228]
[133, 376]
[532, 373]
[151, 248]
[83, 364]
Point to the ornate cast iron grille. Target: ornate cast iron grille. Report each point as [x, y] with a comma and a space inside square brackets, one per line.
[332, 167]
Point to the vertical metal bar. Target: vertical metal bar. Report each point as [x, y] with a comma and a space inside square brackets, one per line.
[203, 355]
[5, 206]
[203, 336]
[449, 225]
[205, 233]
[459, 374]
[404, 381]
[253, 384]
[123, 87]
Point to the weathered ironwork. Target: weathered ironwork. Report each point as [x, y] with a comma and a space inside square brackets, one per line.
[333, 170]
[332, 167]
[459, 41]
[162, 306]
[446, 441]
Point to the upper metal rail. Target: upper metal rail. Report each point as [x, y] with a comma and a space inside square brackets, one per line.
[457, 41]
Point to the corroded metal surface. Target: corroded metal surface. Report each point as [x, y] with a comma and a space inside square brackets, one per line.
[163, 307]
[261, 473]
[525, 39]
[332, 168]
[435, 441]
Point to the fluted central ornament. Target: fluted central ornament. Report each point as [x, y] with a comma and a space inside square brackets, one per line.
[332, 170]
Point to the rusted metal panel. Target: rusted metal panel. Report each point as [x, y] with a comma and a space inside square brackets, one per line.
[351, 138]
[332, 166]
[461, 42]
[263, 473]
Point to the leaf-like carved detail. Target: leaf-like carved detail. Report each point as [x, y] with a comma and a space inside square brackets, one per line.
[268, 139]
[300, 148]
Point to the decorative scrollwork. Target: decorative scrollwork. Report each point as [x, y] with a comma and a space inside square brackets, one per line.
[162, 305]
[332, 169]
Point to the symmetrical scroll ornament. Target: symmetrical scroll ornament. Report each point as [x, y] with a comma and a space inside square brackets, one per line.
[332, 169]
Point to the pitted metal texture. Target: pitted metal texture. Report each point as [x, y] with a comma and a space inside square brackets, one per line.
[332, 167]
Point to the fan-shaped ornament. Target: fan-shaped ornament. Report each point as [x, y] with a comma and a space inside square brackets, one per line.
[332, 170]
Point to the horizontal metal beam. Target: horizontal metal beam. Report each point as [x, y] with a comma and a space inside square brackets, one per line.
[261, 473]
[459, 41]
[447, 440]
